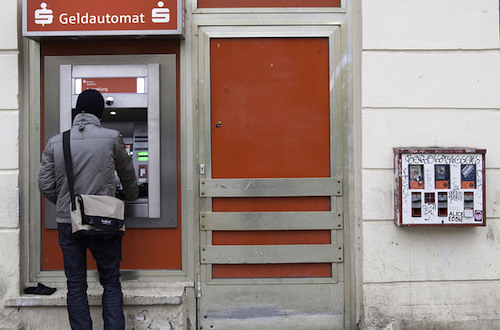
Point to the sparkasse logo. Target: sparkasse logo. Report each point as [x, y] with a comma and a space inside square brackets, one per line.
[160, 14]
[43, 15]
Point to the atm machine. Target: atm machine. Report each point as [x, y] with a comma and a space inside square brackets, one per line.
[133, 106]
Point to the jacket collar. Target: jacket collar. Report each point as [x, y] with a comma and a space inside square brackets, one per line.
[84, 118]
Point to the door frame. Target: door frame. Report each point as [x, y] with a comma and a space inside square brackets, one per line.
[341, 101]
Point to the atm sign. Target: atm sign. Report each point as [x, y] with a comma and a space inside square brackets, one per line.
[97, 17]
[111, 85]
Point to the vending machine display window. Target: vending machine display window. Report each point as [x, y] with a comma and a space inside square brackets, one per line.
[439, 187]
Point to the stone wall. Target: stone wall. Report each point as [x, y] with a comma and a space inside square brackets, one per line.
[9, 164]
[431, 77]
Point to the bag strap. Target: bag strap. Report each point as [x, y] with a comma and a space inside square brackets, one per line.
[68, 163]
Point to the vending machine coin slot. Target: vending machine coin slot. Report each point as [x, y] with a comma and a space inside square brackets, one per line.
[468, 204]
[442, 204]
[416, 204]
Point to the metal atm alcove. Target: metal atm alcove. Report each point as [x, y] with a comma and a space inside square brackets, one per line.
[133, 106]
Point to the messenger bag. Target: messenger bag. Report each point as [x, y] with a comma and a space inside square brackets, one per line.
[92, 214]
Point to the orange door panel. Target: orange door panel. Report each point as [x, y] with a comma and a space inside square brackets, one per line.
[270, 119]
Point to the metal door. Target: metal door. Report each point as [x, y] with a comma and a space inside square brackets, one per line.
[271, 187]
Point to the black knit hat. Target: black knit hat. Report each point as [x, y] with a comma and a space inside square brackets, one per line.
[90, 101]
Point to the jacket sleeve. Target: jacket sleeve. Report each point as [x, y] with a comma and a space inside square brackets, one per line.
[125, 169]
[46, 174]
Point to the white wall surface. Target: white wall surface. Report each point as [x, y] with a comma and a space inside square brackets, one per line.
[431, 78]
[430, 24]
[9, 164]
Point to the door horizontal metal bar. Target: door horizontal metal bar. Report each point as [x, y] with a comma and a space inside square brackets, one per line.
[270, 220]
[271, 254]
[270, 187]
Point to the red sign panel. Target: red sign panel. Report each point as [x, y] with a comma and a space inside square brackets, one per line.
[97, 17]
[111, 85]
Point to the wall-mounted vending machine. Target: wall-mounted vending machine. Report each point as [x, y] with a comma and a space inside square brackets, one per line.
[133, 92]
[444, 187]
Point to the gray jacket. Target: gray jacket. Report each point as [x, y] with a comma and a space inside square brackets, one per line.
[97, 153]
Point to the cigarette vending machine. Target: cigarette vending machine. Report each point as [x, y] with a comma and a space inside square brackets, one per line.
[437, 186]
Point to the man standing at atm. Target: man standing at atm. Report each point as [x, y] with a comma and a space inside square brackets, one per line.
[97, 153]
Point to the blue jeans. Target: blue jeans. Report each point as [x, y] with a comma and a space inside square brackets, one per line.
[107, 252]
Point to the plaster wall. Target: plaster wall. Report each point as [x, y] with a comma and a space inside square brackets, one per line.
[9, 164]
[430, 77]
